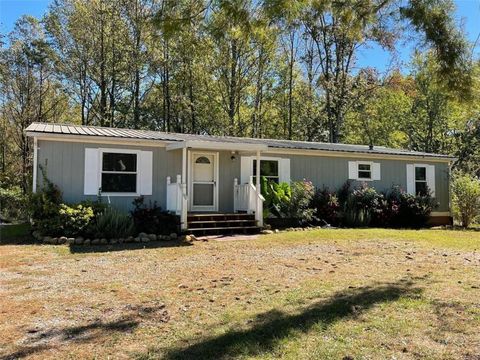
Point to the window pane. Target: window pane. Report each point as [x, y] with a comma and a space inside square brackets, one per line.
[119, 183]
[273, 179]
[119, 162]
[267, 167]
[420, 173]
[202, 160]
[364, 175]
[421, 188]
[364, 167]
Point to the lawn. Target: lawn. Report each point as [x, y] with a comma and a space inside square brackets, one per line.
[322, 294]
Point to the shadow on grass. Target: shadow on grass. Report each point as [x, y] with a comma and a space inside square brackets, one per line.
[97, 330]
[82, 249]
[270, 328]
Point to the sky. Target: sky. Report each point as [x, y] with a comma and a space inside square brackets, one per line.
[467, 14]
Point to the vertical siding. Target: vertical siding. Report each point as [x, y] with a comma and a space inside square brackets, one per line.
[64, 164]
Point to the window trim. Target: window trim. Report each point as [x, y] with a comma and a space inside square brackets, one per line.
[266, 158]
[101, 151]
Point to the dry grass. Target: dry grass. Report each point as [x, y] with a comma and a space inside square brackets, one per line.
[362, 294]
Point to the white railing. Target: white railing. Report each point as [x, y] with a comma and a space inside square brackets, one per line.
[177, 199]
[247, 198]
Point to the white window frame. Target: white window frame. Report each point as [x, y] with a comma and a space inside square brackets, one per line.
[415, 167]
[101, 151]
[264, 158]
[370, 164]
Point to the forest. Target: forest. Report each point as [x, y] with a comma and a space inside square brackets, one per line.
[267, 69]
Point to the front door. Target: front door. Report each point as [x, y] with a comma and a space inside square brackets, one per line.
[204, 182]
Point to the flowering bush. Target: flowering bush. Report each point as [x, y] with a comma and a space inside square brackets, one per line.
[299, 205]
[75, 219]
[327, 206]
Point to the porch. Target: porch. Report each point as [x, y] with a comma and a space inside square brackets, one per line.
[211, 196]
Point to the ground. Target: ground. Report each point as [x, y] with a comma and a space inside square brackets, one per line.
[322, 294]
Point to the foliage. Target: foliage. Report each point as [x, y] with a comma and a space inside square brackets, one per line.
[276, 197]
[75, 219]
[13, 204]
[413, 210]
[113, 224]
[151, 219]
[465, 198]
[44, 206]
[298, 207]
[361, 205]
[326, 205]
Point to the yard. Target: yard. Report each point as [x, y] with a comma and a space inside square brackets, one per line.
[339, 294]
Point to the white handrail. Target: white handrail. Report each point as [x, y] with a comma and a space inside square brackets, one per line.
[177, 199]
[247, 198]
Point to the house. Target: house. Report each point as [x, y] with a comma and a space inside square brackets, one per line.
[201, 174]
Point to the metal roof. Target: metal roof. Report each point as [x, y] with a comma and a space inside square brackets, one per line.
[105, 132]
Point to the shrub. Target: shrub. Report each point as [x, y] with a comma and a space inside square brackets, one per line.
[326, 205]
[298, 207]
[465, 198]
[44, 208]
[13, 204]
[277, 196]
[413, 210]
[75, 219]
[362, 205]
[113, 224]
[151, 219]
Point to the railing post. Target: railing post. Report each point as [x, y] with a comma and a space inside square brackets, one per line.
[184, 205]
[258, 200]
[235, 195]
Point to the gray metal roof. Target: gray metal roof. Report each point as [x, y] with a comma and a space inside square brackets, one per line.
[105, 132]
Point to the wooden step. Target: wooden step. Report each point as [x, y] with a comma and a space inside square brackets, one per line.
[223, 230]
[221, 223]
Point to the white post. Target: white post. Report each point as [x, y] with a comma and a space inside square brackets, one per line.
[169, 181]
[258, 212]
[35, 164]
[184, 214]
[235, 195]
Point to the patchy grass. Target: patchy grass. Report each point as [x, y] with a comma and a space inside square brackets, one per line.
[329, 294]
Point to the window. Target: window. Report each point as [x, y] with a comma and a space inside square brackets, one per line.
[268, 168]
[364, 171]
[202, 160]
[119, 172]
[421, 187]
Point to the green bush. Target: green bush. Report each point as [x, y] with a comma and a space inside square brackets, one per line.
[75, 219]
[113, 224]
[44, 206]
[361, 206]
[465, 198]
[326, 205]
[13, 204]
[298, 207]
[152, 219]
[411, 211]
[277, 196]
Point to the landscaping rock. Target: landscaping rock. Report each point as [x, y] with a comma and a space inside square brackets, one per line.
[62, 240]
[121, 240]
[137, 239]
[47, 240]
[152, 237]
[186, 238]
[79, 240]
[95, 241]
[87, 242]
[145, 239]
[276, 231]
[166, 238]
[266, 232]
[130, 239]
[142, 234]
[36, 235]
[70, 241]
[113, 241]
[103, 241]
[173, 236]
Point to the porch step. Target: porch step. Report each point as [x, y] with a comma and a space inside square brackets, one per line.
[221, 223]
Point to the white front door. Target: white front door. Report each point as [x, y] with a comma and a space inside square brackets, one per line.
[203, 187]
